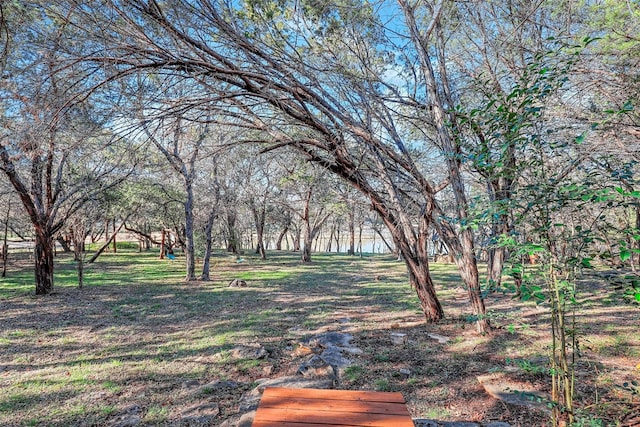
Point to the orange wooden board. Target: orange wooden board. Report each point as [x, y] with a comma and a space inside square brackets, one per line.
[333, 405]
[324, 408]
[313, 393]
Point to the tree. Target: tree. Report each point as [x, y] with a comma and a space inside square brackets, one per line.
[309, 201]
[51, 149]
[180, 143]
[324, 95]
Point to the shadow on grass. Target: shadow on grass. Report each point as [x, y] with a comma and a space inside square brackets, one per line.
[136, 334]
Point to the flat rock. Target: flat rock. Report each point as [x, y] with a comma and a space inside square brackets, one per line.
[190, 384]
[331, 339]
[419, 422]
[333, 356]
[294, 382]
[130, 416]
[249, 402]
[237, 283]
[398, 338]
[316, 367]
[440, 338]
[246, 420]
[459, 424]
[248, 352]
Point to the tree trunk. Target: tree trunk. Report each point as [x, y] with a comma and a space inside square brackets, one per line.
[108, 242]
[306, 251]
[497, 255]
[5, 246]
[43, 254]
[283, 233]
[260, 244]
[163, 243]
[259, 217]
[495, 264]
[189, 249]
[106, 230]
[296, 240]
[307, 242]
[114, 240]
[438, 92]
[63, 242]
[206, 263]
[80, 265]
[352, 232]
[330, 240]
[466, 262]
[78, 236]
[416, 259]
[232, 238]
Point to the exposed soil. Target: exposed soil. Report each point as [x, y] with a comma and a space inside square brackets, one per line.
[155, 350]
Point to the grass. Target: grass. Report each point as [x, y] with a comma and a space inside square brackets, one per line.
[137, 335]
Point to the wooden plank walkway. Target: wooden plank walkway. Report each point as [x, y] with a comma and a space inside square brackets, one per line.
[286, 407]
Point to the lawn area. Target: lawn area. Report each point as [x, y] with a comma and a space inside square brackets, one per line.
[137, 336]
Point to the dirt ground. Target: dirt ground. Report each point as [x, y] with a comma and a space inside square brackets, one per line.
[138, 340]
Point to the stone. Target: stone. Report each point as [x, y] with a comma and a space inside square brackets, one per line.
[458, 424]
[130, 416]
[294, 382]
[398, 339]
[246, 420]
[405, 372]
[249, 352]
[333, 356]
[237, 283]
[268, 370]
[190, 384]
[201, 414]
[249, 402]
[351, 350]
[328, 339]
[316, 367]
[440, 338]
[497, 424]
[421, 422]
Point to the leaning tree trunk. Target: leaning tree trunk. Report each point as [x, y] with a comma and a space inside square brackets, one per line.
[468, 267]
[421, 282]
[43, 254]
[63, 244]
[283, 233]
[416, 258]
